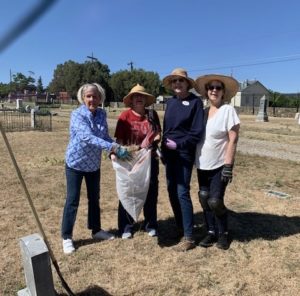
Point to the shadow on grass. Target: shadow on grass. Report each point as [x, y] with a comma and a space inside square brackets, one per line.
[244, 226]
[90, 241]
[90, 291]
[169, 235]
[248, 226]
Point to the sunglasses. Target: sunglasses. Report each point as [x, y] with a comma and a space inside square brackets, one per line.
[216, 87]
[177, 80]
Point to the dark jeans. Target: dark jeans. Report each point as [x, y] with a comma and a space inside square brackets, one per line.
[74, 181]
[125, 221]
[179, 168]
[210, 181]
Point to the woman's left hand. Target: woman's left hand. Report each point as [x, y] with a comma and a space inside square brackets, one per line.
[226, 175]
[170, 144]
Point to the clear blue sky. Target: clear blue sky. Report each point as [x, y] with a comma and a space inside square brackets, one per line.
[258, 39]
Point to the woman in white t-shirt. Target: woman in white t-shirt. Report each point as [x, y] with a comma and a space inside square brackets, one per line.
[215, 155]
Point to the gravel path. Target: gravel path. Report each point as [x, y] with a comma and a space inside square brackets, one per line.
[270, 149]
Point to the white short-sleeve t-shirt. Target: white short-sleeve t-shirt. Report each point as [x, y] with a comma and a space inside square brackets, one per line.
[210, 152]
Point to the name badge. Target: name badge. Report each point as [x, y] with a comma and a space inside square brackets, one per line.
[185, 103]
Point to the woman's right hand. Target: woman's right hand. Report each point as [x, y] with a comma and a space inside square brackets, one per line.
[113, 157]
[122, 153]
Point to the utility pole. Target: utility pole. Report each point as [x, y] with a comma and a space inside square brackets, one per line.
[10, 82]
[93, 68]
[92, 58]
[31, 72]
[131, 66]
[10, 77]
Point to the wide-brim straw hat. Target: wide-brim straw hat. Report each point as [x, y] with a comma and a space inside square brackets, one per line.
[178, 72]
[138, 89]
[231, 85]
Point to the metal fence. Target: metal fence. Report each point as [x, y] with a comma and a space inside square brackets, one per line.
[16, 120]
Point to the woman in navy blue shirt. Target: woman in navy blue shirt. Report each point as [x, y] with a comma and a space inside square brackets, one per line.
[182, 130]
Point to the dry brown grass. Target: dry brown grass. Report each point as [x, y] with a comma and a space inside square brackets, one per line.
[264, 255]
[276, 130]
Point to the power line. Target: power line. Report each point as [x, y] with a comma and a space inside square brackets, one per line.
[263, 62]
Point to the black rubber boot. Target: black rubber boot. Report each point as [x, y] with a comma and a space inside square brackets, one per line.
[208, 240]
[223, 242]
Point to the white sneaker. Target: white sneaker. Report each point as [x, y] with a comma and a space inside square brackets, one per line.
[103, 235]
[152, 232]
[126, 235]
[68, 246]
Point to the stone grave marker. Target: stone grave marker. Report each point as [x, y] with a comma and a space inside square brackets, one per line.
[37, 267]
[19, 103]
[27, 108]
[262, 113]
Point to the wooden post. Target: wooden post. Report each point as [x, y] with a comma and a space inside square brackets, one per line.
[37, 267]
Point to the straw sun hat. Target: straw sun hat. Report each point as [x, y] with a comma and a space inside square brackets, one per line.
[138, 89]
[178, 72]
[231, 85]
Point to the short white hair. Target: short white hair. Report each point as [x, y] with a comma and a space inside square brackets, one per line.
[83, 88]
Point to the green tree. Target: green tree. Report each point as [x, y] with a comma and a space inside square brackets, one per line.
[97, 72]
[71, 75]
[274, 99]
[40, 87]
[20, 82]
[66, 77]
[122, 81]
[4, 90]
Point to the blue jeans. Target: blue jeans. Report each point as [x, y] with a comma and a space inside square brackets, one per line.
[125, 221]
[74, 181]
[179, 168]
[210, 181]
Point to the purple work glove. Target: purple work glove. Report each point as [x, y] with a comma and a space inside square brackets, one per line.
[170, 144]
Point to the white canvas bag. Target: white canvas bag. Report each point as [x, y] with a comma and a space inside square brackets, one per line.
[132, 181]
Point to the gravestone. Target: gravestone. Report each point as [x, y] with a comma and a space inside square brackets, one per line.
[19, 103]
[37, 267]
[297, 115]
[28, 108]
[262, 112]
[32, 118]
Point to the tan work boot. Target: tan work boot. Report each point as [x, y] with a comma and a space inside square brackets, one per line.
[184, 245]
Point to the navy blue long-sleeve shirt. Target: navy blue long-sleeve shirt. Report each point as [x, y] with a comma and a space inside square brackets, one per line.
[183, 122]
